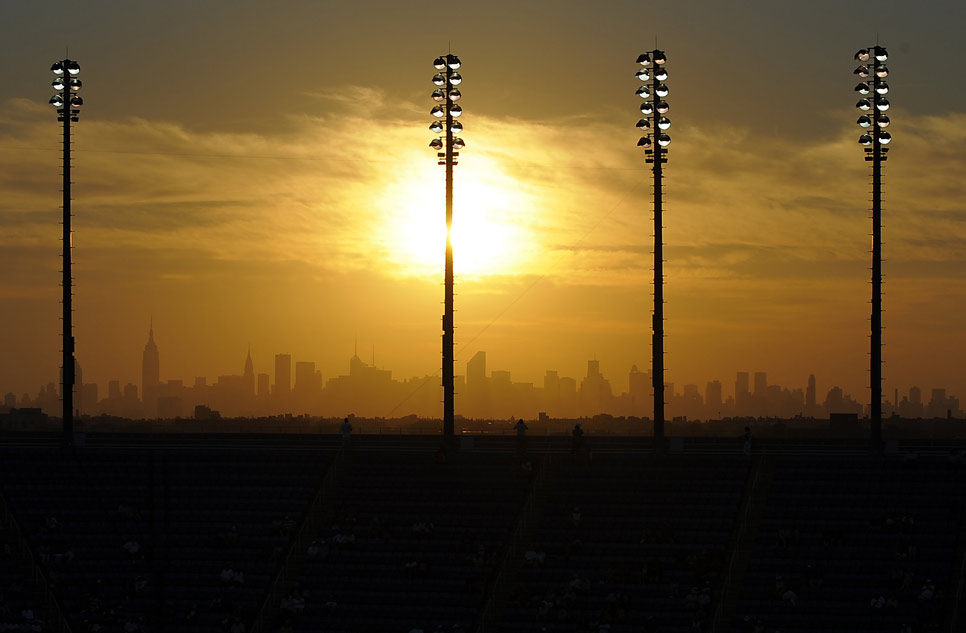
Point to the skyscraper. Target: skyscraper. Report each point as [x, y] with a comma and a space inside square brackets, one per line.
[283, 375]
[811, 403]
[249, 376]
[742, 394]
[150, 375]
[761, 384]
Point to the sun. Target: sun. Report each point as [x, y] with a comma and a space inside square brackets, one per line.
[487, 237]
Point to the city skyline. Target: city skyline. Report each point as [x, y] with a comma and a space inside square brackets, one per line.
[297, 387]
[294, 219]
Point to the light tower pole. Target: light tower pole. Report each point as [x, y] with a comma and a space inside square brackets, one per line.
[873, 90]
[68, 103]
[447, 110]
[655, 142]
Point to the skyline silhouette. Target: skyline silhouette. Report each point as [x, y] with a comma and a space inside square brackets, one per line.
[277, 223]
[297, 387]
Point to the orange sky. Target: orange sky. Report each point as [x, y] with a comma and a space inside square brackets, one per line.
[262, 177]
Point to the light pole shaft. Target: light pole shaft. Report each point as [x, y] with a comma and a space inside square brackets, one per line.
[657, 343]
[67, 388]
[449, 386]
[875, 360]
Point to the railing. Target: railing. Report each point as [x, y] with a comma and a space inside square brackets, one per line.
[55, 620]
[511, 553]
[307, 529]
[737, 545]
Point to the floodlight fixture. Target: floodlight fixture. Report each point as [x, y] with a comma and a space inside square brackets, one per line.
[447, 149]
[875, 140]
[655, 143]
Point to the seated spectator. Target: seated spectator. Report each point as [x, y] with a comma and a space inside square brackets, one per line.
[535, 558]
[133, 549]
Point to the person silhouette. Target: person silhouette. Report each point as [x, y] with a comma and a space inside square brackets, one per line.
[346, 429]
[521, 429]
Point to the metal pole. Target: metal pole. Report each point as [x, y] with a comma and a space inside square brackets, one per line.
[875, 360]
[449, 388]
[67, 387]
[657, 344]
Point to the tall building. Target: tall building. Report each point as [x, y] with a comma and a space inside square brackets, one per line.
[283, 375]
[639, 387]
[742, 394]
[249, 376]
[741, 384]
[150, 375]
[475, 402]
[476, 370]
[761, 384]
[811, 397]
[308, 381]
[713, 399]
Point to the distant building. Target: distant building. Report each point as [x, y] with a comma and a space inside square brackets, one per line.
[283, 376]
[150, 376]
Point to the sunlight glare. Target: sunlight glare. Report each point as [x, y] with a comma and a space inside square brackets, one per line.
[486, 239]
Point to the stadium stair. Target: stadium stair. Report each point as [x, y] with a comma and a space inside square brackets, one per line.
[753, 499]
[321, 508]
[26, 560]
[520, 539]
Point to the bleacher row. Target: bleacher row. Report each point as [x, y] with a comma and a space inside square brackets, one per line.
[156, 539]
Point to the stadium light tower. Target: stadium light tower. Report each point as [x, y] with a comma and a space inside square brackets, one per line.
[652, 76]
[68, 103]
[445, 113]
[874, 104]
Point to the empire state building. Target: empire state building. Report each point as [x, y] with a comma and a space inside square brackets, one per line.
[150, 376]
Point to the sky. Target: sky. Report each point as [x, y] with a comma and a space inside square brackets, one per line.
[256, 175]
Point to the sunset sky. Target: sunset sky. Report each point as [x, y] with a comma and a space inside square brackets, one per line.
[256, 173]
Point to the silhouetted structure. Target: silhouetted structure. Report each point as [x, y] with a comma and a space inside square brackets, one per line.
[448, 94]
[150, 375]
[67, 103]
[876, 153]
[656, 107]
